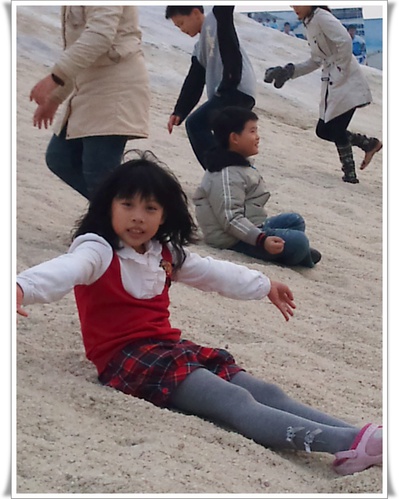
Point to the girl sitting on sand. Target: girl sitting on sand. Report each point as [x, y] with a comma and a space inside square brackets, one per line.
[127, 250]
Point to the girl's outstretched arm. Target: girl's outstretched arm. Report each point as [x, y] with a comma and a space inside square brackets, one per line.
[281, 296]
[20, 297]
[87, 259]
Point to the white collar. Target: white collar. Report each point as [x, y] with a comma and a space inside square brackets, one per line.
[153, 248]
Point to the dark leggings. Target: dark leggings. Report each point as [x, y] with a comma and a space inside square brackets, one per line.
[261, 411]
[335, 130]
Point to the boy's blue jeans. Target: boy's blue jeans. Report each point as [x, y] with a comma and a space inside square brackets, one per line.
[291, 228]
[82, 163]
[198, 123]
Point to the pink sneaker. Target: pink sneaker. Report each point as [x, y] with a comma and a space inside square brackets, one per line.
[356, 458]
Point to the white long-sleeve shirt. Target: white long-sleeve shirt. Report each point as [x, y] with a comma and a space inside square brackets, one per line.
[90, 255]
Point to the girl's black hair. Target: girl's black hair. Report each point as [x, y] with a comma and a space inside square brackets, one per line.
[228, 120]
[148, 178]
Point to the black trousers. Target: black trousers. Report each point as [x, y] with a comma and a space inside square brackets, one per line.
[335, 130]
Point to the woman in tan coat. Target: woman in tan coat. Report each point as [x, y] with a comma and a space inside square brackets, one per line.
[102, 71]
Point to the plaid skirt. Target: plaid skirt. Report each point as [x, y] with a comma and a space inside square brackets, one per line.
[153, 369]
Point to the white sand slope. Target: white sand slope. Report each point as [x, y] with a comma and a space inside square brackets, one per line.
[75, 436]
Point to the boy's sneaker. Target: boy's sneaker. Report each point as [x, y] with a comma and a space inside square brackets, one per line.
[315, 255]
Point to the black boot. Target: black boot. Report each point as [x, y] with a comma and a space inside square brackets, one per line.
[348, 164]
[365, 143]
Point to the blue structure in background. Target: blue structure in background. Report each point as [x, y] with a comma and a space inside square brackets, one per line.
[373, 37]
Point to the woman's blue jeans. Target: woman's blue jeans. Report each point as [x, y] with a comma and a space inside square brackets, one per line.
[291, 228]
[82, 163]
[198, 123]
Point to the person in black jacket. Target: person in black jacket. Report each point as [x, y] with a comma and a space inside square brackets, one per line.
[219, 63]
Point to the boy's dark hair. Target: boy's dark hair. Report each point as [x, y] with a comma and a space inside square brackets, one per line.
[231, 119]
[147, 177]
[181, 10]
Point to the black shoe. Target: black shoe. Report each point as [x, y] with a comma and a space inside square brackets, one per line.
[315, 255]
[351, 179]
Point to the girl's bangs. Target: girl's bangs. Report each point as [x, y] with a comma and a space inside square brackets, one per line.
[140, 184]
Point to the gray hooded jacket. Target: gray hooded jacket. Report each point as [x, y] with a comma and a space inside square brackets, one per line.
[230, 202]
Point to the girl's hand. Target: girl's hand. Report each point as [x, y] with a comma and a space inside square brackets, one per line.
[281, 296]
[273, 245]
[20, 296]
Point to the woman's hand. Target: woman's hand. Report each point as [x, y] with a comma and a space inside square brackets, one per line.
[42, 90]
[44, 114]
[281, 296]
[46, 108]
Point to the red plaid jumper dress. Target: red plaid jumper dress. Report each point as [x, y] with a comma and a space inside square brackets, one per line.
[132, 343]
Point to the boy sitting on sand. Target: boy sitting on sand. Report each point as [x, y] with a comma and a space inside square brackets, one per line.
[230, 202]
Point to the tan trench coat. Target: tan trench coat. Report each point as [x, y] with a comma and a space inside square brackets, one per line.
[343, 85]
[103, 66]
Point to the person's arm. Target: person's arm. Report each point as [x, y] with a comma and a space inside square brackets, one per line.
[227, 201]
[88, 258]
[306, 67]
[339, 36]
[363, 48]
[229, 47]
[96, 39]
[226, 278]
[234, 281]
[48, 93]
[20, 299]
[191, 90]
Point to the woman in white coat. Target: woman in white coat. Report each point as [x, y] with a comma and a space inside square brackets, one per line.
[343, 89]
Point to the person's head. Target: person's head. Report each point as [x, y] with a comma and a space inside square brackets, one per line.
[305, 11]
[287, 27]
[138, 201]
[352, 30]
[236, 129]
[188, 19]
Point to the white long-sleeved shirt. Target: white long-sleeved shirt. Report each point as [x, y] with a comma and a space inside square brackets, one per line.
[90, 255]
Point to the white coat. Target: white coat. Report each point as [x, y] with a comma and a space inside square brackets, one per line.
[344, 86]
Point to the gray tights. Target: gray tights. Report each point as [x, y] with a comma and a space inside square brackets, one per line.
[262, 412]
